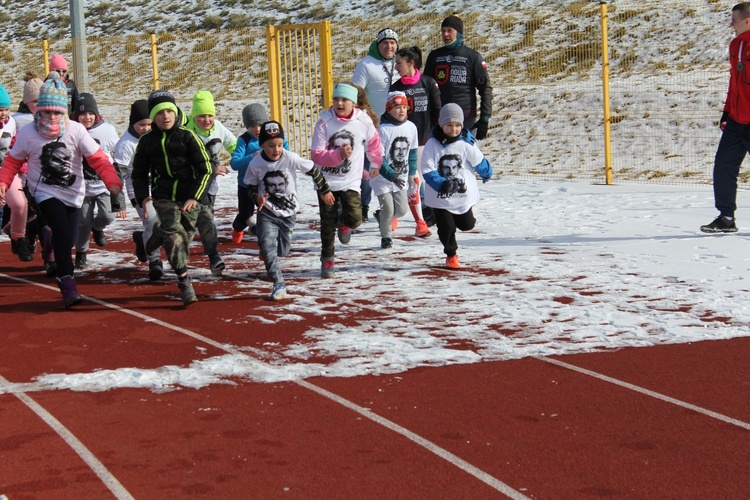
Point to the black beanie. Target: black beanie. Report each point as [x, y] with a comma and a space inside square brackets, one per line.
[454, 22]
[270, 130]
[84, 103]
[138, 111]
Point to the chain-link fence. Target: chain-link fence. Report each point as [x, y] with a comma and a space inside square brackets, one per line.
[668, 77]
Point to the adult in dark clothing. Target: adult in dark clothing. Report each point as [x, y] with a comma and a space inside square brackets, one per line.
[460, 73]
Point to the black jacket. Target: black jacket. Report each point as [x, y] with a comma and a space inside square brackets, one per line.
[461, 72]
[176, 162]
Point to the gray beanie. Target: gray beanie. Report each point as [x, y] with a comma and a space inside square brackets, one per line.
[254, 114]
[451, 112]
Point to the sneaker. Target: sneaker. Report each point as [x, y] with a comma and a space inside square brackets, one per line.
[345, 235]
[156, 239]
[423, 231]
[186, 291]
[386, 243]
[394, 224]
[452, 262]
[80, 260]
[720, 224]
[155, 270]
[237, 236]
[99, 237]
[327, 270]
[140, 248]
[217, 265]
[21, 248]
[278, 293]
[365, 218]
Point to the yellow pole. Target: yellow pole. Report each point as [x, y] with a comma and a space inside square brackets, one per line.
[605, 97]
[45, 49]
[326, 66]
[274, 73]
[155, 61]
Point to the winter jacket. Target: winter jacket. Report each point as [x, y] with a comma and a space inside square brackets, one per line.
[176, 161]
[461, 72]
[738, 94]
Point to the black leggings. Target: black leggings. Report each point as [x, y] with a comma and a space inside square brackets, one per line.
[63, 220]
[447, 223]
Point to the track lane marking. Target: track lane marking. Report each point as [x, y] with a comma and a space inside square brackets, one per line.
[369, 414]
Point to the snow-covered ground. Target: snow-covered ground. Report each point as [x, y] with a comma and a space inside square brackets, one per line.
[552, 268]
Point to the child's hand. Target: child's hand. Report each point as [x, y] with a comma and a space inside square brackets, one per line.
[189, 205]
[346, 151]
[374, 172]
[121, 214]
[144, 206]
[328, 199]
[261, 201]
[114, 189]
[366, 174]
[222, 170]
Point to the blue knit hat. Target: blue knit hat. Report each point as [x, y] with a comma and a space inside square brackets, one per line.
[4, 98]
[53, 96]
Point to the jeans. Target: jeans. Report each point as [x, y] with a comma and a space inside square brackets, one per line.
[275, 240]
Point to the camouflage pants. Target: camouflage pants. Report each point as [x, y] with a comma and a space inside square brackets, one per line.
[347, 211]
[179, 229]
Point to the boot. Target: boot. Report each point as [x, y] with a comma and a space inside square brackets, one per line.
[69, 291]
[155, 270]
[21, 248]
[80, 260]
[186, 291]
[327, 268]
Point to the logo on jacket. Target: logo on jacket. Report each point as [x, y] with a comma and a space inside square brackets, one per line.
[442, 72]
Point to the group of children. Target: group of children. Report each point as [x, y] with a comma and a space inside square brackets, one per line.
[168, 163]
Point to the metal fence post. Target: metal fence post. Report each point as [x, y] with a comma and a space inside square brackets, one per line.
[605, 97]
[155, 61]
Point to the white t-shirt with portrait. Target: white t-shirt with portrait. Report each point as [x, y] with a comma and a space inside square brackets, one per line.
[397, 141]
[453, 161]
[278, 179]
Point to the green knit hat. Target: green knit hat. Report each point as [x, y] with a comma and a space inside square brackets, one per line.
[203, 104]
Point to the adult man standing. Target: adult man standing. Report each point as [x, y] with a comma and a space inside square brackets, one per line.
[734, 123]
[377, 71]
[460, 73]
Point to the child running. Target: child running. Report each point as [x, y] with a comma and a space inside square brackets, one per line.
[342, 137]
[449, 163]
[54, 148]
[399, 139]
[171, 169]
[271, 178]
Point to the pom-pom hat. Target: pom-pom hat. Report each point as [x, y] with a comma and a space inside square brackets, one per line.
[31, 88]
[53, 95]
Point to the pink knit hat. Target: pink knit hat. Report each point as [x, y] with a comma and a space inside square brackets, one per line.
[57, 62]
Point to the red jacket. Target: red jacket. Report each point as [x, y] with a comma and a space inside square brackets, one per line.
[738, 95]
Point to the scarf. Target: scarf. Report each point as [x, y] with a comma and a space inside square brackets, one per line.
[50, 130]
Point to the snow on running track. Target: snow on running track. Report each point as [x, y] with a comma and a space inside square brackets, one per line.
[552, 268]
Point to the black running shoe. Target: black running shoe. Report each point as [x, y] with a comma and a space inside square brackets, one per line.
[720, 224]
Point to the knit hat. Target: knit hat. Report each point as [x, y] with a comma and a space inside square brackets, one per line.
[84, 103]
[346, 91]
[4, 98]
[53, 95]
[159, 100]
[203, 104]
[451, 113]
[31, 88]
[270, 130]
[386, 34]
[57, 62]
[138, 111]
[254, 114]
[453, 21]
[396, 98]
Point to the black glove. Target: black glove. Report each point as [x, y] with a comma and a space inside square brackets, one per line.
[481, 127]
[449, 187]
[724, 119]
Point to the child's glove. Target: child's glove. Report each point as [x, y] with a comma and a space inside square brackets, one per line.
[400, 182]
[449, 187]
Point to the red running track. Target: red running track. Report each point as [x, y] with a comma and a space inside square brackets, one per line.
[659, 422]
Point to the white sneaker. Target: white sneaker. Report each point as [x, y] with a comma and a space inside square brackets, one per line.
[278, 293]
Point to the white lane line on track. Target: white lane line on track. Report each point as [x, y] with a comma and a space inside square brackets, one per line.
[109, 480]
[392, 426]
[647, 392]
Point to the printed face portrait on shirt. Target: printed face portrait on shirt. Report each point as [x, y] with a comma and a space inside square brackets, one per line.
[57, 165]
[276, 185]
[449, 167]
[335, 142]
[400, 154]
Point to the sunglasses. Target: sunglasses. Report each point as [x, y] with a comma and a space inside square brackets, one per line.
[61, 71]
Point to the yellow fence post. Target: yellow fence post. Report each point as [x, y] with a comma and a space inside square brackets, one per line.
[605, 97]
[45, 49]
[326, 65]
[155, 61]
[274, 74]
